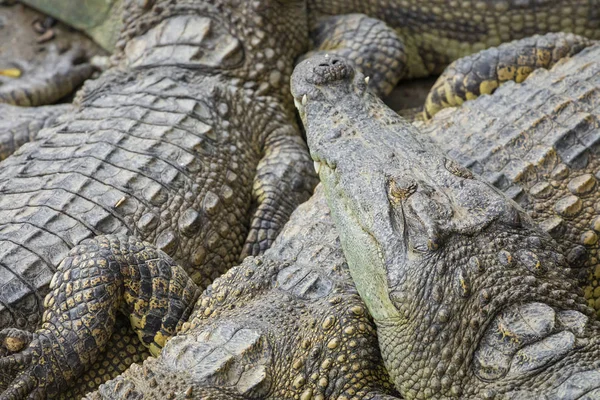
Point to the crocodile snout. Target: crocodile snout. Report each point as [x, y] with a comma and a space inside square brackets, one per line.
[319, 71]
[328, 69]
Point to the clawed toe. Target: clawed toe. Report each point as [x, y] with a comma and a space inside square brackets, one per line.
[14, 340]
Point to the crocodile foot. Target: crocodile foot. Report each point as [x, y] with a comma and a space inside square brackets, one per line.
[27, 360]
[28, 84]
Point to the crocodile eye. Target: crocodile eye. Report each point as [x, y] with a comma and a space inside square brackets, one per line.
[456, 169]
[399, 192]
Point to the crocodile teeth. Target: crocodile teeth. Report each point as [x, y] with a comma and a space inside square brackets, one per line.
[317, 166]
[367, 79]
[304, 100]
[297, 103]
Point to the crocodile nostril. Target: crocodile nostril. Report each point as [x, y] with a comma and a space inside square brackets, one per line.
[331, 70]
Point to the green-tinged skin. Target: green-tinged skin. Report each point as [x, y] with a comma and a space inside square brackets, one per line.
[437, 32]
[285, 325]
[470, 298]
[298, 297]
[386, 40]
[428, 35]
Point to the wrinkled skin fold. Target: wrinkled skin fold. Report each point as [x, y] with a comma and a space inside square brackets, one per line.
[471, 299]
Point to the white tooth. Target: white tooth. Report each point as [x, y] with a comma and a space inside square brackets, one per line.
[317, 166]
[326, 55]
[304, 100]
[297, 103]
[367, 80]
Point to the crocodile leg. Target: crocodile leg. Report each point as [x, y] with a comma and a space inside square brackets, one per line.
[97, 279]
[372, 46]
[279, 186]
[285, 325]
[19, 125]
[47, 83]
[481, 73]
[122, 350]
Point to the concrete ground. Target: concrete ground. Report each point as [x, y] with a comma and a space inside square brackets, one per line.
[19, 40]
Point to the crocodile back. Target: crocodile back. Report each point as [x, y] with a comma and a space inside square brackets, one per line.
[141, 156]
[538, 142]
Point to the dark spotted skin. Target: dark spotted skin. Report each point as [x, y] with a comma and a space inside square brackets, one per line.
[471, 299]
[542, 154]
[420, 38]
[481, 73]
[198, 153]
[288, 324]
[258, 293]
[97, 279]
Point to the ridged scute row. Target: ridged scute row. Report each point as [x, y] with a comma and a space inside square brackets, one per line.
[538, 142]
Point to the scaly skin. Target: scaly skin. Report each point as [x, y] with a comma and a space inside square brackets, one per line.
[434, 33]
[288, 324]
[470, 298]
[20, 125]
[429, 34]
[54, 78]
[437, 32]
[481, 73]
[536, 142]
[306, 237]
[197, 152]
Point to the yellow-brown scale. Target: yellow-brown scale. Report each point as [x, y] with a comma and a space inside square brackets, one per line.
[482, 73]
[99, 278]
[437, 32]
[122, 350]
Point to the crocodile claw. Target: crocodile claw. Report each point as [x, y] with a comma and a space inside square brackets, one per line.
[28, 359]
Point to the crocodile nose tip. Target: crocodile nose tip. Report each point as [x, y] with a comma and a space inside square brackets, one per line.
[321, 70]
[329, 69]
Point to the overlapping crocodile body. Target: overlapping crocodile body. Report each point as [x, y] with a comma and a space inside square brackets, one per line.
[537, 141]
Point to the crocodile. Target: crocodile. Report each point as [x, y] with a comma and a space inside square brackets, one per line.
[386, 40]
[544, 157]
[471, 299]
[286, 324]
[481, 73]
[31, 84]
[434, 33]
[20, 125]
[197, 151]
[249, 296]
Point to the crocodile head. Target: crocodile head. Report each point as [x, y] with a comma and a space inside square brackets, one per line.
[470, 298]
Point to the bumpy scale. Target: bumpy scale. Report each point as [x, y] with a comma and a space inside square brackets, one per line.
[288, 324]
[190, 143]
[432, 34]
[470, 298]
[537, 142]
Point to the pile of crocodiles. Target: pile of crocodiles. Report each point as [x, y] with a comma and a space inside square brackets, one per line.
[164, 236]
